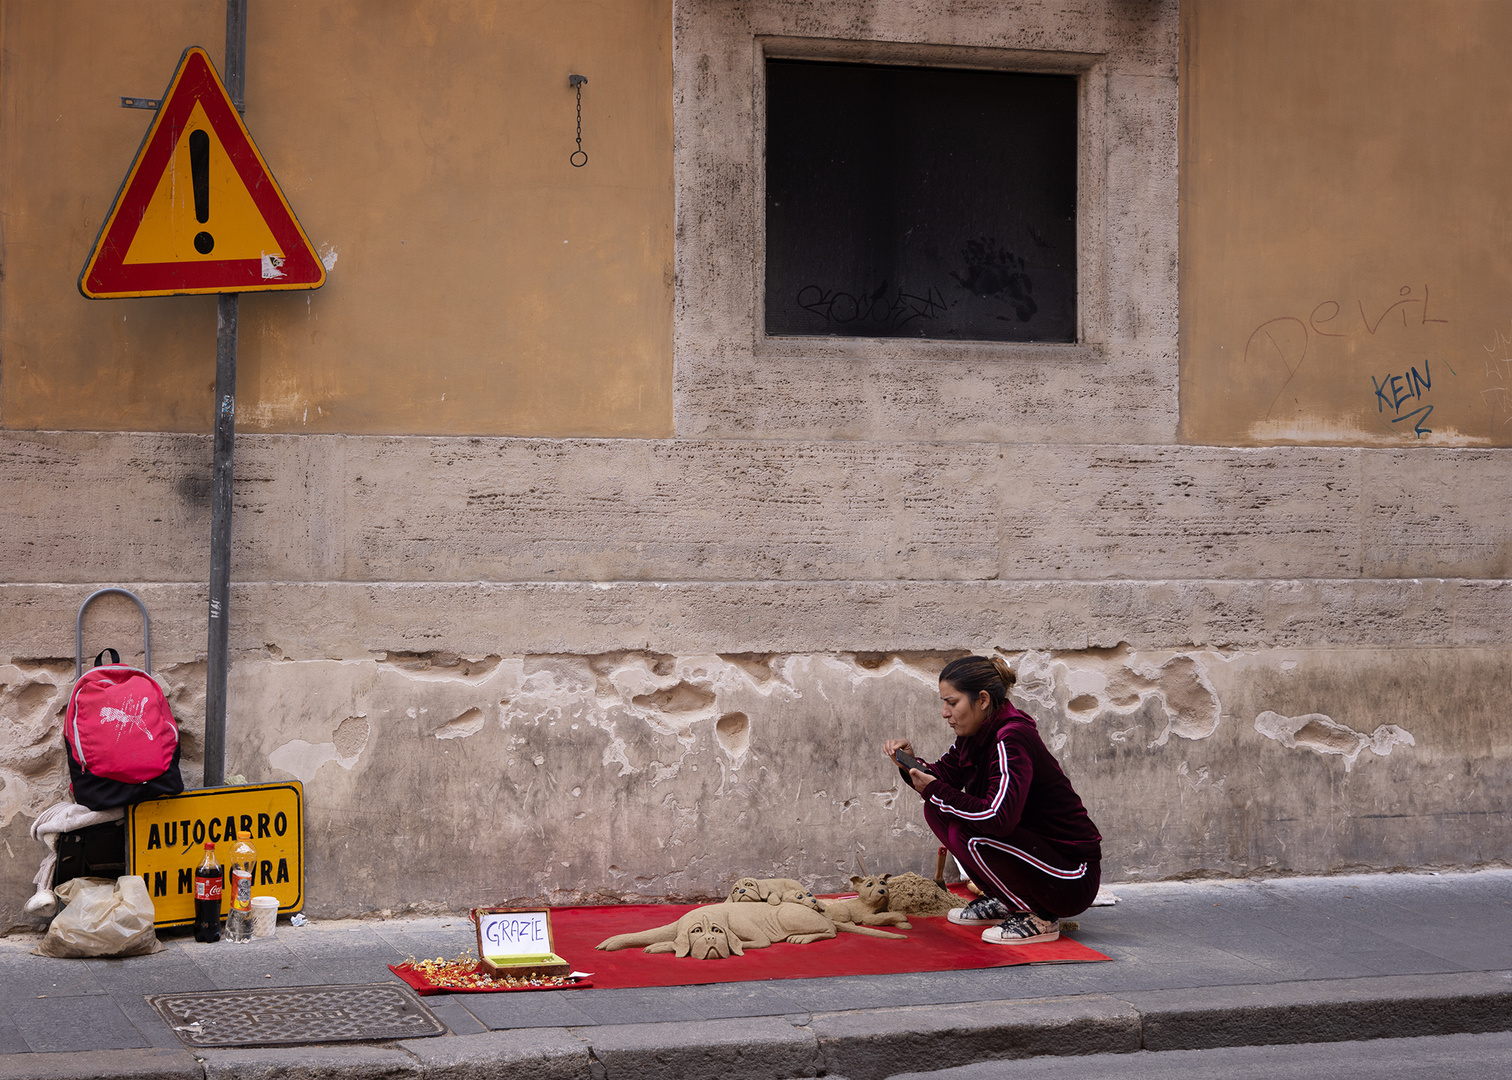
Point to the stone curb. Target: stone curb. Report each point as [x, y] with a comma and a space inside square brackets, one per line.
[1330, 1010]
[117, 1064]
[360, 1062]
[875, 1043]
[534, 1053]
[760, 1048]
[863, 1044]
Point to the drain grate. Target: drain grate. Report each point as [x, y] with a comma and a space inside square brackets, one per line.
[296, 1015]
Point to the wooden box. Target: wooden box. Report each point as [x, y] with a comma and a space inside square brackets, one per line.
[517, 942]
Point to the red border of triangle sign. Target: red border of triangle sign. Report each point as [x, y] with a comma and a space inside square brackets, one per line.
[108, 275]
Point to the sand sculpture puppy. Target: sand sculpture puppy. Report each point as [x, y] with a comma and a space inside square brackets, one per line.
[804, 897]
[808, 899]
[715, 931]
[868, 907]
[763, 890]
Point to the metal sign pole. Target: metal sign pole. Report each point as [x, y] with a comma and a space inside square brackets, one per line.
[218, 656]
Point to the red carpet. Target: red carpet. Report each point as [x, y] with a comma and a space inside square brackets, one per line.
[934, 944]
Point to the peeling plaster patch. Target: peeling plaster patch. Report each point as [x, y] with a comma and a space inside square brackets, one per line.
[351, 737]
[734, 734]
[680, 697]
[1119, 683]
[862, 666]
[460, 727]
[441, 666]
[1191, 702]
[1200, 779]
[1036, 679]
[303, 760]
[33, 772]
[1322, 735]
[757, 665]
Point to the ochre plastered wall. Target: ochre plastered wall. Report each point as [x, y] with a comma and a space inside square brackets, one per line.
[1346, 222]
[479, 284]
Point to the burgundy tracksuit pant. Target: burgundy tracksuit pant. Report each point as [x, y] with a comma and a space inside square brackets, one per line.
[1024, 870]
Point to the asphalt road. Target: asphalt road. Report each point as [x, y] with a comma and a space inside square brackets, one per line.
[1441, 1057]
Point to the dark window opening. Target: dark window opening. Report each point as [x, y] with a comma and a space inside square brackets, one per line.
[907, 202]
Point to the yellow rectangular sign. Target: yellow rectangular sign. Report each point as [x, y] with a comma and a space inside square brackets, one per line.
[165, 841]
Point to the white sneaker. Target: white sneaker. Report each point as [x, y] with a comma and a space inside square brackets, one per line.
[1024, 928]
[980, 912]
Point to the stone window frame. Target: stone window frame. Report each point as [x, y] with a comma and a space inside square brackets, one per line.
[1091, 163]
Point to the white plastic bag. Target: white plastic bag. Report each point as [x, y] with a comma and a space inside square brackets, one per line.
[103, 918]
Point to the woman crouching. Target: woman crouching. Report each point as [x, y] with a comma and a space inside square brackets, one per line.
[1000, 804]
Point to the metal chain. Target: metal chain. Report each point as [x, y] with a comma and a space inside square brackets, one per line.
[577, 81]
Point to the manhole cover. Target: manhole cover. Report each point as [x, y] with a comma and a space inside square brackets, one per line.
[296, 1015]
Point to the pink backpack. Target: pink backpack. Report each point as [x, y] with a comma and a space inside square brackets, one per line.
[122, 741]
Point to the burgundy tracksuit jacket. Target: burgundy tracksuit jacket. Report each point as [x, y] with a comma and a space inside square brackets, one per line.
[1002, 806]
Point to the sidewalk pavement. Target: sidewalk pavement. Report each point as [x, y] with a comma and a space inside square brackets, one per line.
[1196, 964]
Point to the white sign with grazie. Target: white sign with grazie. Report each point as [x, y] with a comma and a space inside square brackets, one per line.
[504, 934]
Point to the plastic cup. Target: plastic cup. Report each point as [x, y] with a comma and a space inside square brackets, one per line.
[264, 915]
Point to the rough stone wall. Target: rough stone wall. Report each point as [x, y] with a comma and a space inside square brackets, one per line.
[564, 669]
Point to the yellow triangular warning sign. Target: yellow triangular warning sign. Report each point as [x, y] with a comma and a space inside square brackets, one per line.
[227, 224]
[199, 212]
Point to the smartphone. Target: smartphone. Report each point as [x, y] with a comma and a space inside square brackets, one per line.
[908, 761]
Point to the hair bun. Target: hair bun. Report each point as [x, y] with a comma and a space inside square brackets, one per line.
[1009, 678]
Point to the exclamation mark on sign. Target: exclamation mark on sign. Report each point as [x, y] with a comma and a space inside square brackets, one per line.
[199, 172]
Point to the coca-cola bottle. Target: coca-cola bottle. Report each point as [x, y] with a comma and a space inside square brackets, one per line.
[208, 883]
[242, 864]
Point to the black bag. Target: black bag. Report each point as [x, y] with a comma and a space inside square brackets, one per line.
[93, 851]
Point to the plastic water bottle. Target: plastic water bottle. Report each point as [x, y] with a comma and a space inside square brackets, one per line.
[242, 864]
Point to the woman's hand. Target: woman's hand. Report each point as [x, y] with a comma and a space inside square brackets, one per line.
[920, 780]
[892, 746]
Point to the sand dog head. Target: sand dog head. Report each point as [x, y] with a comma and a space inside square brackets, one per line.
[802, 896]
[706, 937]
[872, 890]
[747, 890]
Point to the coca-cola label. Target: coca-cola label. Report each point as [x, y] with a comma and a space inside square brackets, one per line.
[207, 888]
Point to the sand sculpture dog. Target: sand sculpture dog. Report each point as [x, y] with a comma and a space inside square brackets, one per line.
[716, 931]
[763, 890]
[720, 930]
[868, 907]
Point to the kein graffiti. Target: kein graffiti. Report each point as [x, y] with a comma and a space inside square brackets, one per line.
[1393, 393]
